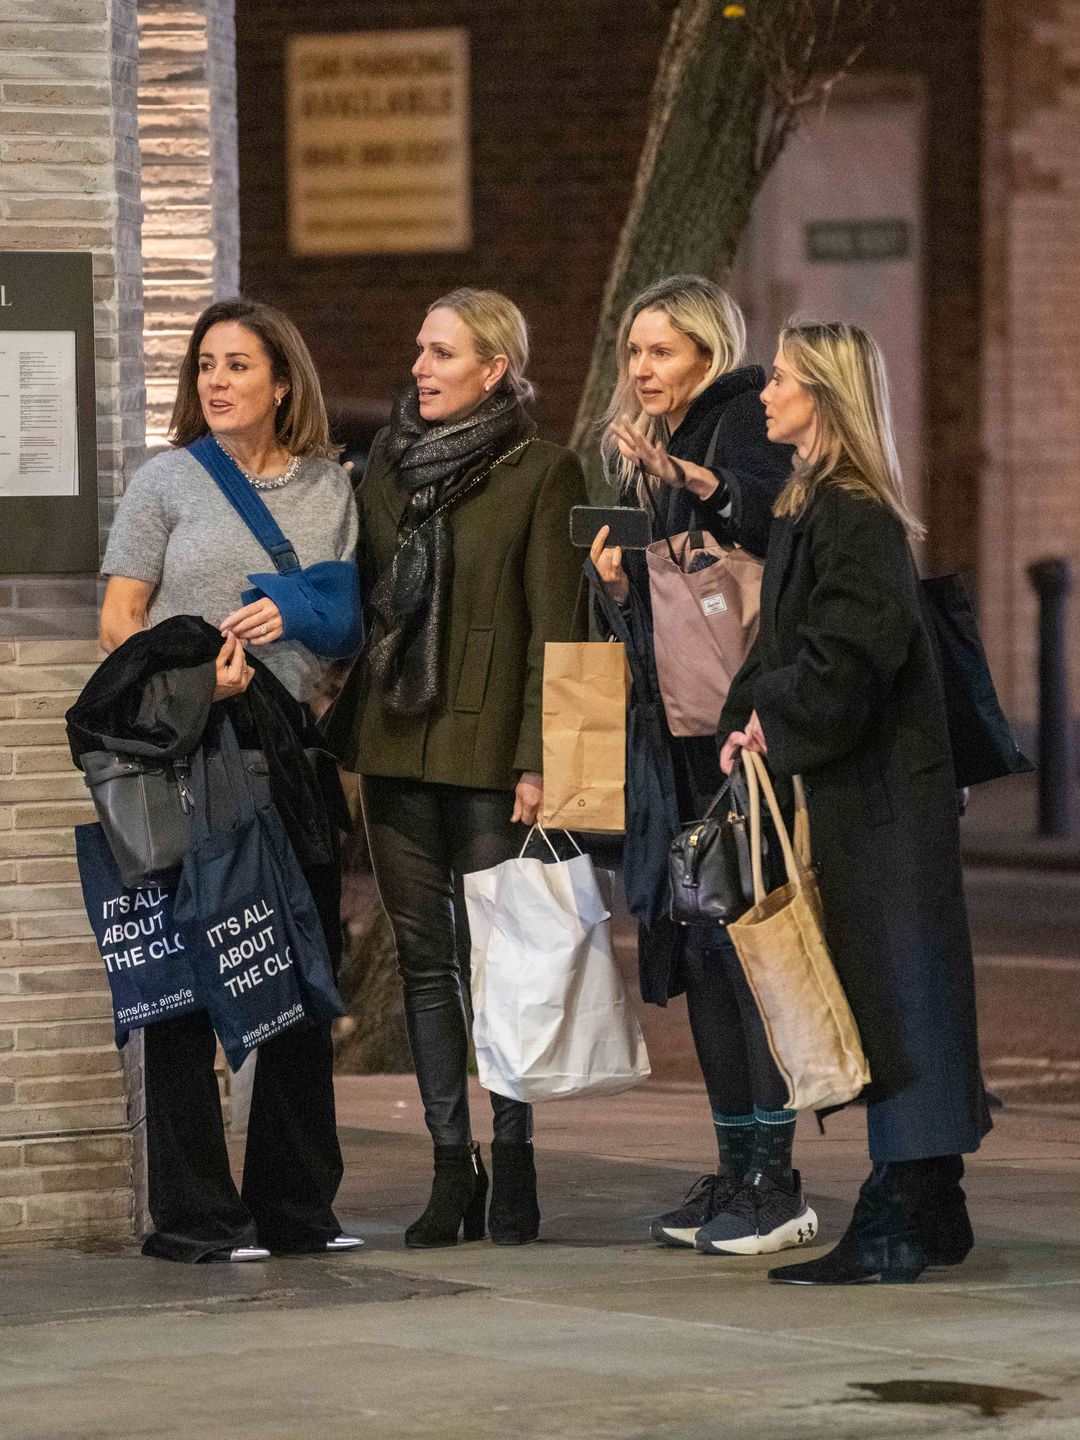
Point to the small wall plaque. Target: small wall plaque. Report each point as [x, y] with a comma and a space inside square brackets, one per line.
[848, 242]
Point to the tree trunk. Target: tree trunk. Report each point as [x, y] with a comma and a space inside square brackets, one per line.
[695, 184]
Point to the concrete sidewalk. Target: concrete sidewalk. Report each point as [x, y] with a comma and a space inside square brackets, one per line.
[594, 1334]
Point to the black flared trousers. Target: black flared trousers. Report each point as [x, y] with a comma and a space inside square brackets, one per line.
[292, 1164]
[423, 838]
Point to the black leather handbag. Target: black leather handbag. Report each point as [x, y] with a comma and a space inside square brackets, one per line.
[712, 879]
[145, 806]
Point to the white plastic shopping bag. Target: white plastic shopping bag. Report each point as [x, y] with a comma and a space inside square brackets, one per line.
[551, 1017]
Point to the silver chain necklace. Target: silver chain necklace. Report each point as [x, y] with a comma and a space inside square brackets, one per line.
[276, 483]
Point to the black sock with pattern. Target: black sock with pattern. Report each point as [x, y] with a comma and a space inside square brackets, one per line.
[774, 1135]
[734, 1142]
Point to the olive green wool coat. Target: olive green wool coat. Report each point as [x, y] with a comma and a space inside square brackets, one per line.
[515, 586]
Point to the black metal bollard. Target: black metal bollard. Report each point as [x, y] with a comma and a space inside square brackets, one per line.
[1052, 580]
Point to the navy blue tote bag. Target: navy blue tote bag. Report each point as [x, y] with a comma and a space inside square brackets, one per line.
[145, 954]
[258, 947]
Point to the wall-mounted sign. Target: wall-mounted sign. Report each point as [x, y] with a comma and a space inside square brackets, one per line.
[846, 242]
[38, 413]
[48, 432]
[378, 142]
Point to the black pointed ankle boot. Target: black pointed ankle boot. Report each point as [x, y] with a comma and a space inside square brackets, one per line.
[910, 1214]
[882, 1245]
[458, 1196]
[514, 1216]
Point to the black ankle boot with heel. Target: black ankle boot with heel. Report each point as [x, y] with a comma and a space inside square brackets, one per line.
[514, 1217]
[458, 1198]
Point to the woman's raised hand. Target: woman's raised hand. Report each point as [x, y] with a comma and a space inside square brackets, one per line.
[608, 562]
[232, 672]
[256, 624]
[635, 446]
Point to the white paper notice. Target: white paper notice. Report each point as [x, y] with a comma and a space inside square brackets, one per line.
[38, 413]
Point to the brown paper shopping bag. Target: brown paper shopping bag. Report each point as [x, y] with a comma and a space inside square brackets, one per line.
[586, 686]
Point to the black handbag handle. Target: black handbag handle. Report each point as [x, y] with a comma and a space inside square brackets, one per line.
[657, 517]
[717, 798]
[235, 774]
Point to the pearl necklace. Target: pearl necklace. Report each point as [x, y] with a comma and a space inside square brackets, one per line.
[275, 484]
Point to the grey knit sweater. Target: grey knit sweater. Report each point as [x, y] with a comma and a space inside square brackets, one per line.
[176, 529]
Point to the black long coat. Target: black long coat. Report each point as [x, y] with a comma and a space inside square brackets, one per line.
[847, 691]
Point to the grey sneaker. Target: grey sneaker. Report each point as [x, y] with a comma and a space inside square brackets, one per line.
[760, 1219]
[705, 1198]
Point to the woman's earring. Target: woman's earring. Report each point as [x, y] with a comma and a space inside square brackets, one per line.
[278, 400]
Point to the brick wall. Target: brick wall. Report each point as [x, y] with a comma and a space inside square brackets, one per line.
[559, 100]
[1031, 379]
[69, 176]
[941, 45]
[187, 136]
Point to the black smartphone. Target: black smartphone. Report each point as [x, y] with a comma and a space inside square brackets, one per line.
[627, 526]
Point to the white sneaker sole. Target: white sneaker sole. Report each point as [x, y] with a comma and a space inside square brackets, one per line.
[799, 1231]
[677, 1237]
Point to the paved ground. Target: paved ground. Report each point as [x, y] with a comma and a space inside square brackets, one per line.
[594, 1334]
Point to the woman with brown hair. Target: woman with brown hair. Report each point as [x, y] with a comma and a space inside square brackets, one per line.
[178, 547]
[842, 688]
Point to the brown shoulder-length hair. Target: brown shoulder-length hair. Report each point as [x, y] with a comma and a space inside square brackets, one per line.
[300, 422]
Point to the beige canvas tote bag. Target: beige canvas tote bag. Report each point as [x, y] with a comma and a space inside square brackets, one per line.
[704, 623]
[781, 945]
[586, 688]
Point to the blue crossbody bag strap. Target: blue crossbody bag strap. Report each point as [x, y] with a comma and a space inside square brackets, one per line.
[229, 478]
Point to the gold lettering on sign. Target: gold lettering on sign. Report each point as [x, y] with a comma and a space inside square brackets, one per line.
[378, 146]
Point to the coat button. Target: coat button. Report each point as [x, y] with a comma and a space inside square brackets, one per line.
[808, 789]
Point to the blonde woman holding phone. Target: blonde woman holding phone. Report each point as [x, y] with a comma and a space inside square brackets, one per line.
[686, 436]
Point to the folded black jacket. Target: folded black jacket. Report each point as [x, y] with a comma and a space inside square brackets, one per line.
[153, 697]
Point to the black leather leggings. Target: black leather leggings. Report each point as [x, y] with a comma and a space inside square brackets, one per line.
[423, 838]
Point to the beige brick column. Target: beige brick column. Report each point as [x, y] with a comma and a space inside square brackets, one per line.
[69, 180]
[187, 136]
[1030, 481]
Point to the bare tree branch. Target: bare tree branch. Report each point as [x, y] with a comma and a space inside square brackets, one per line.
[732, 84]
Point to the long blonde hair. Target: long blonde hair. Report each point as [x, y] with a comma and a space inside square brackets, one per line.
[843, 369]
[497, 327]
[696, 307]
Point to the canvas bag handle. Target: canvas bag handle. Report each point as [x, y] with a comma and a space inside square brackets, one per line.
[797, 858]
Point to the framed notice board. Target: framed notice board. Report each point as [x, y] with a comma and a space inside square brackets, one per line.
[48, 398]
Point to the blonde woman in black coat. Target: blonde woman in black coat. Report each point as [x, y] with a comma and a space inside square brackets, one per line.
[686, 435]
[842, 688]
